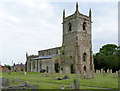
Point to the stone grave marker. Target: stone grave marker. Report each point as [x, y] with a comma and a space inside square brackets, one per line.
[101, 71]
[53, 74]
[43, 74]
[77, 74]
[97, 72]
[107, 70]
[104, 73]
[60, 74]
[110, 71]
[89, 74]
[5, 82]
[115, 75]
[119, 73]
[84, 75]
[24, 72]
[76, 84]
[9, 72]
[47, 74]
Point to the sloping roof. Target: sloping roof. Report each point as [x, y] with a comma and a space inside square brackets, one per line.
[44, 57]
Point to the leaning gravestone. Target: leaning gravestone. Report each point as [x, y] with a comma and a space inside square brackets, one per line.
[76, 84]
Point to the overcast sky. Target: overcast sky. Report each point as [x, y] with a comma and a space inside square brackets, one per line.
[32, 26]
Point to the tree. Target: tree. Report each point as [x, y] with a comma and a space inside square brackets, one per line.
[8, 66]
[108, 57]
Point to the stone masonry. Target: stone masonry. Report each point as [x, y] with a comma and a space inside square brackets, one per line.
[75, 54]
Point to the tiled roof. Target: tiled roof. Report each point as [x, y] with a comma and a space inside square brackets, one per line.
[44, 57]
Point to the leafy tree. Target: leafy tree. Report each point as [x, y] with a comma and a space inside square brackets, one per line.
[108, 57]
[7, 66]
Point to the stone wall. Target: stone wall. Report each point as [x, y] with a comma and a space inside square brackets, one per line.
[51, 51]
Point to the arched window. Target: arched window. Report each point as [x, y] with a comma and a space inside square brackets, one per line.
[69, 27]
[84, 26]
[84, 68]
[84, 57]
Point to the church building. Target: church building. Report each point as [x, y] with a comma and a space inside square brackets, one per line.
[75, 54]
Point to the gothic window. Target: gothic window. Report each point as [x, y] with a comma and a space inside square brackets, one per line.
[69, 27]
[84, 26]
[84, 57]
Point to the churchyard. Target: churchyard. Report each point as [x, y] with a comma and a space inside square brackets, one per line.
[101, 80]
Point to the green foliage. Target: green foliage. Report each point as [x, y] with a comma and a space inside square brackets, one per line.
[8, 66]
[22, 69]
[108, 57]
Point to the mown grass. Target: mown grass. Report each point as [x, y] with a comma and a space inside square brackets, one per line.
[51, 83]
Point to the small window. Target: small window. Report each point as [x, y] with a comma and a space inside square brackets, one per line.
[84, 26]
[84, 57]
[69, 27]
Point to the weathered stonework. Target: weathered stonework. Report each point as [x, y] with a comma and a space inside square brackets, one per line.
[75, 54]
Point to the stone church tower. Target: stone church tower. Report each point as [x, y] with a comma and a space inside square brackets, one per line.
[77, 44]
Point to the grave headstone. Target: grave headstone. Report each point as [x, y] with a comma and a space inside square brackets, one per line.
[77, 74]
[104, 73]
[72, 85]
[76, 84]
[43, 74]
[60, 74]
[24, 72]
[89, 74]
[9, 72]
[119, 74]
[84, 75]
[53, 74]
[47, 74]
[101, 71]
[97, 72]
[107, 70]
[110, 71]
[5, 82]
[115, 75]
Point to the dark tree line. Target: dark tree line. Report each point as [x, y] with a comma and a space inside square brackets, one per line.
[108, 57]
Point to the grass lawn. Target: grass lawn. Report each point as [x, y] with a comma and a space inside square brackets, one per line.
[51, 83]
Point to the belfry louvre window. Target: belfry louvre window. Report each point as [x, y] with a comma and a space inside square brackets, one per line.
[69, 27]
[84, 26]
[84, 57]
